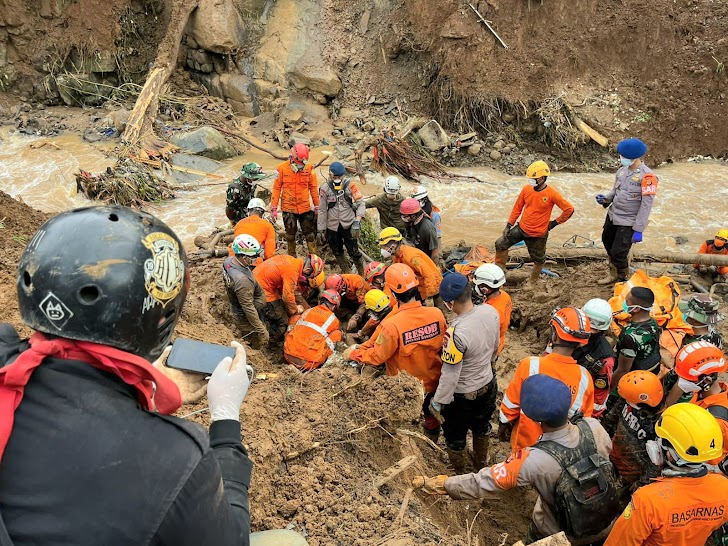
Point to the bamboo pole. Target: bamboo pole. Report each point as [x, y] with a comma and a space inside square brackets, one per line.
[638, 256]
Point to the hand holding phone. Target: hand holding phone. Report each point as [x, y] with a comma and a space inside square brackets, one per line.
[192, 386]
[228, 386]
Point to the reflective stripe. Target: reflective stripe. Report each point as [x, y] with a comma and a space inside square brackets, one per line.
[320, 329]
[599, 407]
[579, 399]
[533, 365]
[502, 417]
[508, 403]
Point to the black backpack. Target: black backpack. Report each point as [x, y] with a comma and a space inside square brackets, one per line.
[586, 498]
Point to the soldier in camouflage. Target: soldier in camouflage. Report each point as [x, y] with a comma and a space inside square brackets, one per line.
[241, 190]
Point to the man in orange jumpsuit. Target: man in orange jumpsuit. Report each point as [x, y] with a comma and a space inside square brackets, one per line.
[570, 329]
[296, 187]
[487, 281]
[410, 340]
[428, 274]
[717, 245]
[279, 276]
[312, 339]
[533, 206]
[255, 225]
[689, 502]
[352, 288]
[379, 306]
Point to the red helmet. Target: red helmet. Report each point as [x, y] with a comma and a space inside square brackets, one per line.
[374, 269]
[336, 283]
[330, 296]
[571, 324]
[410, 206]
[699, 358]
[299, 154]
[315, 263]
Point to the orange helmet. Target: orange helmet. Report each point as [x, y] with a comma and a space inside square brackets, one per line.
[315, 263]
[330, 296]
[336, 283]
[399, 278]
[571, 324]
[641, 387]
[374, 269]
[699, 358]
[299, 154]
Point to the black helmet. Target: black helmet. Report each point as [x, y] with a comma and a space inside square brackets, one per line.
[108, 275]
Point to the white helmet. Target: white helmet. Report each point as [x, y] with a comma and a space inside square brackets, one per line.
[256, 203]
[247, 245]
[419, 193]
[392, 185]
[599, 312]
[489, 275]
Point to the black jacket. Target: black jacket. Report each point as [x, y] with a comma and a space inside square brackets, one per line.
[86, 465]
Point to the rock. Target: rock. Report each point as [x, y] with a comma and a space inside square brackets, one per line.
[236, 87]
[211, 82]
[456, 27]
[216, 25]
[298, 138]
[680, 239]
[433, 136]
[118, 119]
[98, 61]
[195, 163]
[90, 135]
[474, 149]
[191, 42]
[316, 78]
[506, 150]
[245, 109]
[529, 128]
[499, 144]
[508, 117]
[206, 142]
[342, 152]
[495, 155]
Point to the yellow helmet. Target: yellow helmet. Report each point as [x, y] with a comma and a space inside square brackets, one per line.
[722, 234]
[376, 300]
[537, 169]
[692, 431]
[387, 235]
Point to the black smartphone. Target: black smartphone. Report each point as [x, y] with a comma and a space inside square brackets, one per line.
[197, 356]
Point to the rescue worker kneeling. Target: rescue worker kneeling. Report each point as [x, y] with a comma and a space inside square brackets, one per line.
[379, 306]
[352, 288]
[465, 396]
[312, 339]
[689, 502]
[569, 468]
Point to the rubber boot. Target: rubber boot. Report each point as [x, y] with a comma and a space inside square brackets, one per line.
[311, 245]
[291, 242]
[501, 258]
[480, 451]
[343, 263]
[535, 273]
[359, 264]
[622, 275]
[457, 460]
[611, 278]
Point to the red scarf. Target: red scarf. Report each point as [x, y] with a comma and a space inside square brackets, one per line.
[131, 369]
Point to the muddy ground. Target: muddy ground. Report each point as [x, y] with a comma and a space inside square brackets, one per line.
[326, 492]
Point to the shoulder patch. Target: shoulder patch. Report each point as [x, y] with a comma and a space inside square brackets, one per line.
[628, 510]
[505, 474]
[649, 184]
[450, 353]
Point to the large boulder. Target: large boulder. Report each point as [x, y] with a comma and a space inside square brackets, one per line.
[206, 142]
[216, 25]
[433, 136]
[239, 92]
[315, 77]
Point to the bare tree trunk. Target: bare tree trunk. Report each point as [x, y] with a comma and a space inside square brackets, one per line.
[639, 256]
[139, 126]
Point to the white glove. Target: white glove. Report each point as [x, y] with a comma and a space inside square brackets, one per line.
[228, 386]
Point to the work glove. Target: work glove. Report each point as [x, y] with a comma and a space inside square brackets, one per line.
[637, 237]
[346, 355]
[352, 324]
[321, 238]
[602, 199]
[274, 213]
[507, 230]
[299, 309]
[355, 229]
[228, 386]
[192, 386]
[435, 410]
[431, 486]
[553, 224]
[505, 430]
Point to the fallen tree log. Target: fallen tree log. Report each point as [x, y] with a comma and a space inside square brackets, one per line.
[637, 256]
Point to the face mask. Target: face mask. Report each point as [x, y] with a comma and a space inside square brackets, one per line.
[654, 452]
[406, 219]
[626, 162]
[687, 386]
[625, 307]
[391, 196]
[718, 243]
[386, 254]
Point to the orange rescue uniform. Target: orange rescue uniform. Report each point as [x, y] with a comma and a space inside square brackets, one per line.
[503, 304]
[427, 273]
[356, 287]
[536, 207]
[410, 340]
[673, 512]
[721, 400]
[708, 248]
[261, 229]
[358, 353]
[371, 323]
[563, 368]
[295, 188]
[312, 339]
[278, 277]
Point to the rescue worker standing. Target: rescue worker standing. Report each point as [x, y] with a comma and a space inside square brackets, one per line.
[241, 190]
[339, 219]
[628, 208]
[570, 328]
[533, 207]
[81, 395]
[296, 187]
[388, 204]
[257, 227]
[432, 212]
[410, 340]
[247, 298]
[715, 246]
[701, 313]
[465, 396]
[421, 231]
[488, 280]
[597, 356]
[312, 339]
[545, 400]
[689, 501]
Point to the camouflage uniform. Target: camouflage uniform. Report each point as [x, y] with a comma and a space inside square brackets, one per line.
[239, 193]
[629, 456]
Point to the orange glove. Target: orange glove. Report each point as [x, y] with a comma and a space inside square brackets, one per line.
[431, 486]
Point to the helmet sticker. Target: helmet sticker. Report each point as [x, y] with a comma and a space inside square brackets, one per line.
[164, 271]
[55, 310]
